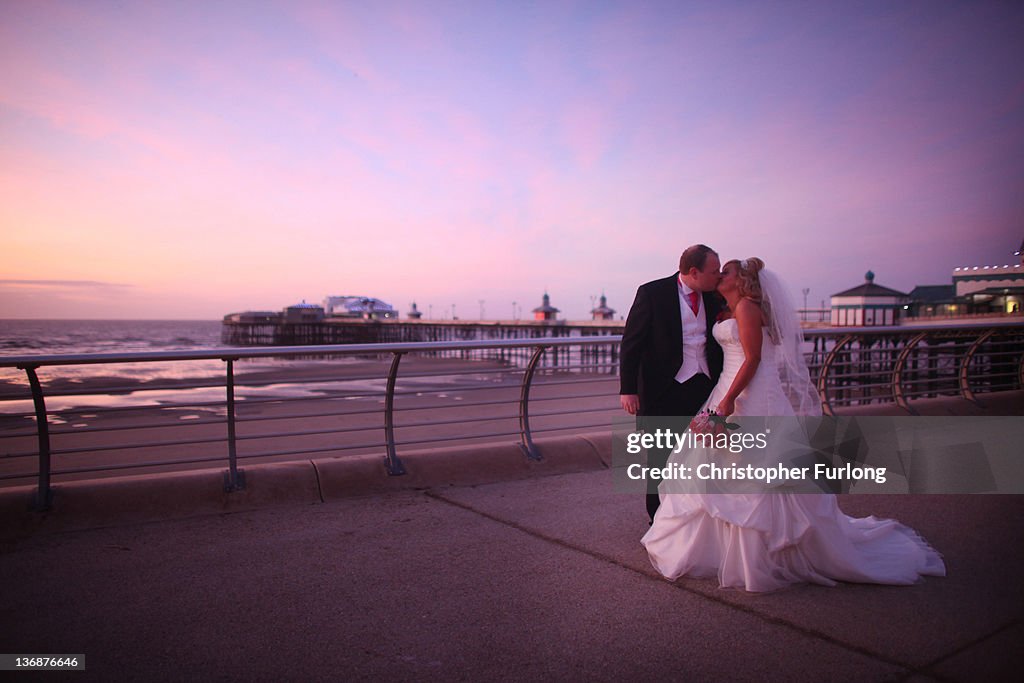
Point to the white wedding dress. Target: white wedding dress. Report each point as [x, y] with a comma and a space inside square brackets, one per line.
[766, 541]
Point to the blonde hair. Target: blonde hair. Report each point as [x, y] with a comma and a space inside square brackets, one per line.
[749, 286]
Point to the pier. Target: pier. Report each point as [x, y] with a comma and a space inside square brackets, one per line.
[276, 332]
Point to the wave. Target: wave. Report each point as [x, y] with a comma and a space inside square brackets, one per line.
[19, 344]
[187, 342]
[19, 337]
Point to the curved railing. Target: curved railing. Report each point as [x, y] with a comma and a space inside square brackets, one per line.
[547, 383]
[519, 388]
[873, 365]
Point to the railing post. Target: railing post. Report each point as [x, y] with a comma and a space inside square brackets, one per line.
[234, 478]
[526, 438]
[897, 373]
[826, 367]
[394, 464]
[965, 383]
[44, 496]
[1020, 373]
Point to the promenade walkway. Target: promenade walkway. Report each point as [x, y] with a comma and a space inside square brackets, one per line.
[537, 579]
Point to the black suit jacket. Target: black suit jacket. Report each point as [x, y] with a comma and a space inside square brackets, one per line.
[652, 343]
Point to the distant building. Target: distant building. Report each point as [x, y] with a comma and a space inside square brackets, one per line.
[868, 305]
[254, 317]
[363, 307]
[996, 300]
[545, 311]
[414, 313]
[975, 291]
[602, 312]
[303, 313]
[992, 289]
[931, 301]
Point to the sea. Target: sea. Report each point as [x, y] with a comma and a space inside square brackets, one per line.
[48, 337]
[80, 386]
[29, 337]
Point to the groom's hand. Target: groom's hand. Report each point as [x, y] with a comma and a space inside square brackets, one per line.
[630, 403]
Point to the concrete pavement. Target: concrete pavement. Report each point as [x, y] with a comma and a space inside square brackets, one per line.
[476, 565]
[535, 579]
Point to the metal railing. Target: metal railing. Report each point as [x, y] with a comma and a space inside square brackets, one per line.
[342, 412]
[852, 367]
[874, 365]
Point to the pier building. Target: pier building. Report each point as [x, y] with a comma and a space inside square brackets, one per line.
[303, 313]
[975, 293]
[359, 307]
[545, 311]
[992, 289]
[603, 311]
[868, 304]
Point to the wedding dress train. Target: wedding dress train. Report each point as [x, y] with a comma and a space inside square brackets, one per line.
[765, 541]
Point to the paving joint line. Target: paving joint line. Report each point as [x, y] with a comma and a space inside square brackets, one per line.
[926, 669]
[908, 669]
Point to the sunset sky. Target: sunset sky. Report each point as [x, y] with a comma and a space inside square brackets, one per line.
[190, 159]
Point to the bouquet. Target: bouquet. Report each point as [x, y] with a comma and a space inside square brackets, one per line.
[708, 421]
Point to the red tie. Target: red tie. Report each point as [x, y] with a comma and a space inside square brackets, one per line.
[693, 302]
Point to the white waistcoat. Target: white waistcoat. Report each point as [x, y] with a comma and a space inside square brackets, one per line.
[694, 338]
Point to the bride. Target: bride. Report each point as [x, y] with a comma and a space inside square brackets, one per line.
[765, 541]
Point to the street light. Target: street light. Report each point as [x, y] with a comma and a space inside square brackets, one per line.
[806, 290]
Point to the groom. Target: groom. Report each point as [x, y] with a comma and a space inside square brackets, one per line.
[669, 359]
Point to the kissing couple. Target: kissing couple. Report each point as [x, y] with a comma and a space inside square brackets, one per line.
[726, 338]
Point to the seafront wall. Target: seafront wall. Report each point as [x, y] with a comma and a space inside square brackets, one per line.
[101, 502]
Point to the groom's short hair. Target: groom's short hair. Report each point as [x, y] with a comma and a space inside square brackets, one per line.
[695, 257]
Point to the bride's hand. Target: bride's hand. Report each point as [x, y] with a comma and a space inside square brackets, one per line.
[726, 408]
